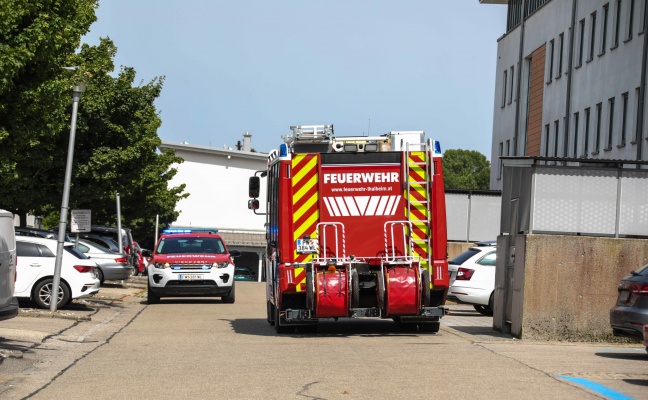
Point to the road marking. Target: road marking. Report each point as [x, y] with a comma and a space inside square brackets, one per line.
[597, 388]
[98, 326]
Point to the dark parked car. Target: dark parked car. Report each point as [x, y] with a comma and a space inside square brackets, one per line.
[630, 314]
[243, 274]
[101, 240]
[35, 232]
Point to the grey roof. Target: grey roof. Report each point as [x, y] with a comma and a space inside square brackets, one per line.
[251, 239]
[213, 150]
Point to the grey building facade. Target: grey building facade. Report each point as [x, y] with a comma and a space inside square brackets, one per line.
[571, 77]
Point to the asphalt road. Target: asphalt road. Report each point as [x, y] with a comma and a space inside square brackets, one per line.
[120, 347]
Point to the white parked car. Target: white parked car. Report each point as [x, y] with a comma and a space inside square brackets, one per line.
[111, 266]
[35, 272]
[472, 277]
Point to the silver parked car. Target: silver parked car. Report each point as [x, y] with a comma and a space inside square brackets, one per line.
[111, 265]
[630, 314]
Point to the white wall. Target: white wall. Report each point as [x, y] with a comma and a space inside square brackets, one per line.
[218, 188]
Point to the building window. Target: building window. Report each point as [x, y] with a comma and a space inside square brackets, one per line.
[597, 143]
[590, 55]
[624, 119]
[556, 135]
[510, 98]
[604, 28]
[581, 43]
[499, 169]
[608, 146]
[504, 81]
[617, 22]
[561, 44]
[576, 116]
[551, 60]
[630, 20]
[587, 132]
[546, 135]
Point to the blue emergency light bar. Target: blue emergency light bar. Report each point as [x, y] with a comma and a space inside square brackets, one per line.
[172, 231]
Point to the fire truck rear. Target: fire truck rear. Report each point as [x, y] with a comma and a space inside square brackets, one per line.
[355, 227]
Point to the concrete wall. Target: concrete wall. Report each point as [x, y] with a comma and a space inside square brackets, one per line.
[570, 284]
[456, 248]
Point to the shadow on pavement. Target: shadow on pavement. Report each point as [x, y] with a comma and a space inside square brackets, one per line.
[479, 330]
[638, 382]
[342, 328]
[624, 355]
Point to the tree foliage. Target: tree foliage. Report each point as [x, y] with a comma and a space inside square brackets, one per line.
[466, 169]
[116, 149]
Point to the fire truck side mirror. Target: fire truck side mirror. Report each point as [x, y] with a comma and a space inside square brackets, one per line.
[254, 187]
[253, 204]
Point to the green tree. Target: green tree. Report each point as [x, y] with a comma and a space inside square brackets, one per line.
[466, 169]
[37, 38]
[118, 148]
[116, 142]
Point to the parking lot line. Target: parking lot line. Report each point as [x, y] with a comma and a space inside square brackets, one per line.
[597, 388]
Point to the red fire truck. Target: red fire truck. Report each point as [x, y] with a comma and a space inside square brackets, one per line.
[355, 227]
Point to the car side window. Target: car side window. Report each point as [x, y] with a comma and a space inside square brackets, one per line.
[82, 248]
[488, 259]
[45, 251]
[24, 249]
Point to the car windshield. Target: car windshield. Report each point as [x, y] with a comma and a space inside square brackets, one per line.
[461, 258]
[191, 245]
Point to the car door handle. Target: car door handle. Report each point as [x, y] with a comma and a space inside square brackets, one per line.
[34, 265]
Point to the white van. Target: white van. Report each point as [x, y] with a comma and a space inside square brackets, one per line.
[8, 303]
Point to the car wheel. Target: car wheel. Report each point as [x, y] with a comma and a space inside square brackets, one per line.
[231, 296]
[42, 294]
[483, 310]
[100, 275]
[152, 298]
[134, 272]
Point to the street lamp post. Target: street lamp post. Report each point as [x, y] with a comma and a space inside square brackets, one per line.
[77, 91]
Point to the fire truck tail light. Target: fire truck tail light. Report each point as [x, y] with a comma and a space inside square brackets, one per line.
[464, 274]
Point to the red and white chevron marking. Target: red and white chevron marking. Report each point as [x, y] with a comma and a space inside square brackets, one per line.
[358, 206]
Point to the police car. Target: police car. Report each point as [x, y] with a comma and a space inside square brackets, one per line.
[191, 262]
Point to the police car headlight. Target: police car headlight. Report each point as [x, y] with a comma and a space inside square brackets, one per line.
[223, 264]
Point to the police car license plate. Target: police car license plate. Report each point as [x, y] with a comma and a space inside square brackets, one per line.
[190, 277]
[307, 246]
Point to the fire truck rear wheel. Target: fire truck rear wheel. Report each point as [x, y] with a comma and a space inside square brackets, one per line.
[430, 327]
[270, 313]
[310, 289]
[355, 289]
[281, 328]
[380, 289]
[425, 288]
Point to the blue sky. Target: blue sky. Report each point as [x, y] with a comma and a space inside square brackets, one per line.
[260, 66]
